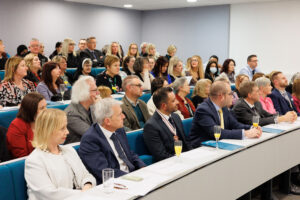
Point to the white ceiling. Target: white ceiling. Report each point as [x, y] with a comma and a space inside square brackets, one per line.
[163, 4]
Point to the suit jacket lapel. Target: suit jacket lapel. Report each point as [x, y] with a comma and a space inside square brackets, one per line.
[214, 111]
[105, 142]
[163, 125]
[131, 111]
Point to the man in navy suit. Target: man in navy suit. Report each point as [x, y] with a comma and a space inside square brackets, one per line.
[105, 144]
[165, 126]
[282, 100]
[215, 111]
[91, 52]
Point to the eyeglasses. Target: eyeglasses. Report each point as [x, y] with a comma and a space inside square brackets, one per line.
[137, 85]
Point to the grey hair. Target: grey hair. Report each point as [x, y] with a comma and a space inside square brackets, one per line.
[295, 77]
[262, 82]
[127, 80]
[178, 83]
[81, 89]
[143, 43]
[223, 77]
[103, 109]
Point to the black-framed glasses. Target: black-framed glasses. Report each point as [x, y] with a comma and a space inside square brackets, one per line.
[137, 85]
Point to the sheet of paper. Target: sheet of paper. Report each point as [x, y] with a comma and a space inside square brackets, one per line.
[249, 141]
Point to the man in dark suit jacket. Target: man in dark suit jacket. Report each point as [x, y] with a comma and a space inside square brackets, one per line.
[164, 127]
[249, 106]
[91, 52]
[208, 114]
[282, 100]
[105, 144]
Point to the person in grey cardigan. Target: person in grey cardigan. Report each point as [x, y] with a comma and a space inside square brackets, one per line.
[53, 171]
[79, 112]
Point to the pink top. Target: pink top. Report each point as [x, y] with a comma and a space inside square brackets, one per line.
[267, 104]
[296, 102]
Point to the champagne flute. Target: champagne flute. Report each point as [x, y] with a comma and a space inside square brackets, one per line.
[178, 147]
[255, 121]
[217, 134]
[62, 88]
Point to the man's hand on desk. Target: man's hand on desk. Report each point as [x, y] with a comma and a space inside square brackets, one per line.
[253, 132]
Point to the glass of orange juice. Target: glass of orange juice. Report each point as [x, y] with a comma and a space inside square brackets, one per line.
[255, 121]
[178, 147]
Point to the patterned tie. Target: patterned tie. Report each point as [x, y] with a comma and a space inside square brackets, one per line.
[172, 122]
[221, 118]
[121, 153]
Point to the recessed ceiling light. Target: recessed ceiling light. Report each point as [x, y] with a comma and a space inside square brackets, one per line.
[191, 1]
[127, 5]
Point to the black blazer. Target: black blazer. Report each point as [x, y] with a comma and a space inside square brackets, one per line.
[244, 113]
[160, 140]
[97, 62]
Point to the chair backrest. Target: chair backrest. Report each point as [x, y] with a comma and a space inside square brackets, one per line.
[187, 124]
[7, 191]
[145, 97]
[17, 172]
[136, 142]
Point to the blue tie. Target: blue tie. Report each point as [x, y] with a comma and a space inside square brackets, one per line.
[121, 152]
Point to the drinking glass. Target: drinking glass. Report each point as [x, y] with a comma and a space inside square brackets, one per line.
[217, 134]
[255, 121]
[178, 147]
[62, 89]
[108, 180]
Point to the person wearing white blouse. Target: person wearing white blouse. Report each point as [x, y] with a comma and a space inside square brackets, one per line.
[53, 171]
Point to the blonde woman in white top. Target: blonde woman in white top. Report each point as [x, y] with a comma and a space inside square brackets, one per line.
[53, 171]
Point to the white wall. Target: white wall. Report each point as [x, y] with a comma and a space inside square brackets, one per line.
[51, 21]
[270, 30]
[200, 30]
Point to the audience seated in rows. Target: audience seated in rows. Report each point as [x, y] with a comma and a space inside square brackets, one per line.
[157, 83]
[133, 50]
[110, 77]
[34, 47]
[115, 50]
[161, 69]
[265, 88]
[81, 46]
[105, 145]
[141, 69]
[57, 51]
[249, 105]
[258, 75]
[181, 90]
[22, 50]
[3, 55]
[151, 51]
[128, 65]
[65, 76]
[251, 68]
[53, 170]
[175, 69]
[92, 53]
[228, 68]
[33, 63]
[144, 49]
[152, 61]
[21, 130]
[238, 80]
[194, 68]
[49, 86]
[68, 51]
[215, 111]
[85, 69]
[80, 111]
[164, 127]
[134, 109]
[211, 70]
[14, 87]
[171, 51]
[201, 91]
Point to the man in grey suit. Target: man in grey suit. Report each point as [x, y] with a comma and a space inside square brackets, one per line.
[249, 106]
[79, 115]
[135, 110]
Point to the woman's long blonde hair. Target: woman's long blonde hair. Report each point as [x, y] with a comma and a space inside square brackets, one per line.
[200, 71]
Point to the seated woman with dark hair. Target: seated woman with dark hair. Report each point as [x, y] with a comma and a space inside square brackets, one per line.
[175, 69]
[20, 131]
[110, 77]
[182, 89]
[66, 77]
[14, 87]
[211, 70]
[157, 83]
[228, 69]
[52, 170]
[49, 86]
[141, 69]
[128, 65]
[34, 68]
[201, 91]
[84, 70]
[161, 69]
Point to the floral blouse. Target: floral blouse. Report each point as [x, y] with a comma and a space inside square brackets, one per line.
[11, 95]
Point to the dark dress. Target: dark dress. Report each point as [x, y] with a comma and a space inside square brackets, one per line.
[197, 100]
[73, 61]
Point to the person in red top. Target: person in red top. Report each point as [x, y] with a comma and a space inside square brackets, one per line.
[181, 89]
[20, 132]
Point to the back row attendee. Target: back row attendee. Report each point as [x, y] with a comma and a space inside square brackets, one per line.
[175, 69]
[110, 77]
[91, 52]
[228, 69]
[134, 109]
[161, 69]
[57, 51]
[211, 70]
[194, 68]
[133, 51]
[22, 50]
[141, 69]
[144, 49]
[164, 127]
[171, 51]
[115, 50]
[68, 51]
[14, 87]
[128, 65]
[34, 47]
[251, 68]
[83, 70]
[20, 131]
[215, 111]
[201, 91]
[80, 112]
[151, 51]
[81, 46]
[3, 55]
[105, 145]
[54, 170]
[34, 68]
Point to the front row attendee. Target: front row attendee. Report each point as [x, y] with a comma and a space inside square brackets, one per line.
[14, 87]
[182, 89]
[105, 144]
[20, 131]
[249, 106]
[215, 111]
[164, 127]
[49, 85]
[53, 171]
[79, 112]
[110, 77]
[135, 110]
[282, 100]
